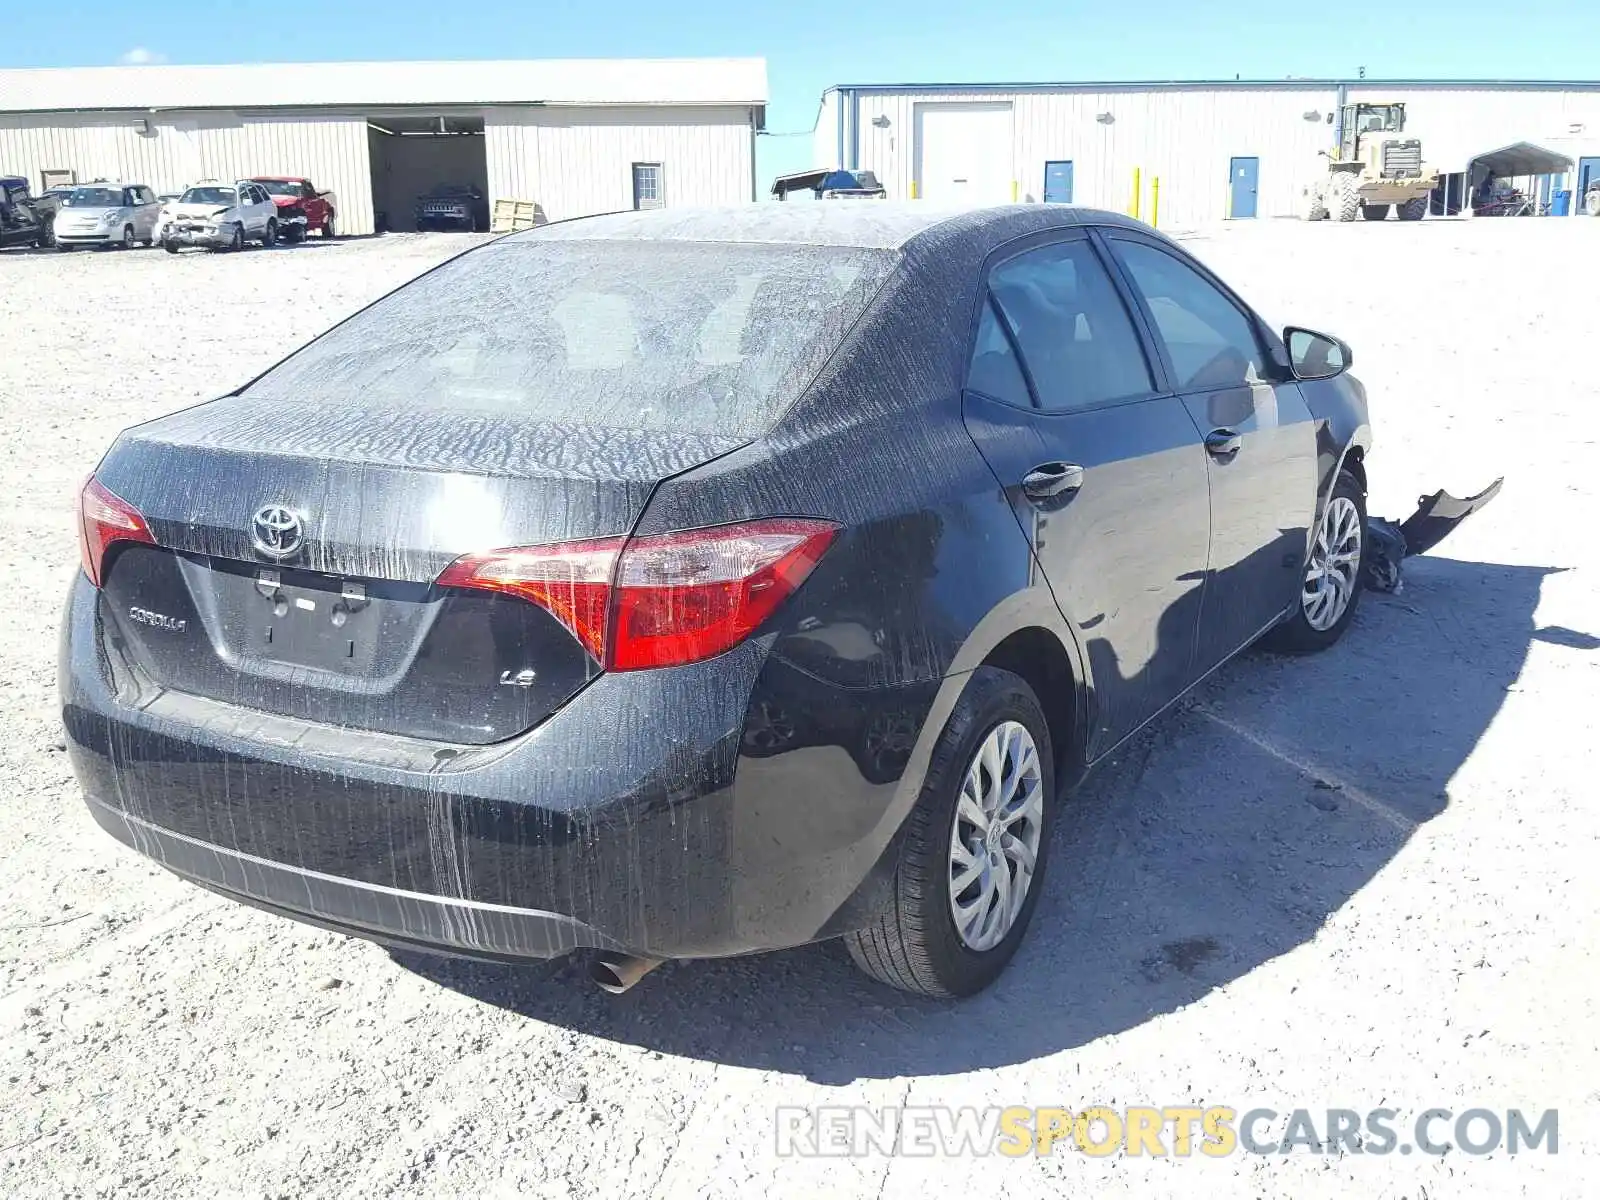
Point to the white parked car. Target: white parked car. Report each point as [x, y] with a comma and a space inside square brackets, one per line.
[106, 214]
[220, 216]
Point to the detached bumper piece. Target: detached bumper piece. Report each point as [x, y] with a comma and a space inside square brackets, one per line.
[1436, 518]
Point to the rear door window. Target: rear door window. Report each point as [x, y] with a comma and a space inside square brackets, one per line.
[1210, 342]
[705, 337]
[1074, 332]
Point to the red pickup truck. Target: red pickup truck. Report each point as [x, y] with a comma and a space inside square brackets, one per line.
[301, 207]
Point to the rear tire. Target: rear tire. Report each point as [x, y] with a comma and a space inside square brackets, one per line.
[170, 247]
[1314, 208]
[1343, 199]
[328, 230]
[1374, 212]
[1412, 209]
[915, 945]
[1339, 534]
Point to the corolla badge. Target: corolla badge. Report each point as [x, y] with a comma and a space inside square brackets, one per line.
[277, 531]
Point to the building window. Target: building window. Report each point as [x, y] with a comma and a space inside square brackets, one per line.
[648, 191]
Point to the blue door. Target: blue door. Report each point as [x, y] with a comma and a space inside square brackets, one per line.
[1588, 172]
[1058, 183]
[1242, 187]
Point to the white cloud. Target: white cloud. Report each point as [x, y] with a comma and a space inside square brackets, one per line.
[141, 57]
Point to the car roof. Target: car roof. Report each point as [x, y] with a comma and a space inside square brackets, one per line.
[276, 178]
[865, 224]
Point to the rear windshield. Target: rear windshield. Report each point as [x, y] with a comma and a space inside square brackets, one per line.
[695, 337]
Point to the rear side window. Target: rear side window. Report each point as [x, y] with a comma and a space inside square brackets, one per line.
[995, 371]
[701, 337]
[1211, 343]
[1074, 333]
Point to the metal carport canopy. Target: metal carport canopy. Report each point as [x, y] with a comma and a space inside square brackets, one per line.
[1517, 159]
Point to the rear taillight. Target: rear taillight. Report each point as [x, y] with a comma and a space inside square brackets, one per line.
[103, 518]
[658, 601]
[571, 581]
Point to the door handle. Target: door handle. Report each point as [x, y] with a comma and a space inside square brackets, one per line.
[1223, 443]
[1052, 479]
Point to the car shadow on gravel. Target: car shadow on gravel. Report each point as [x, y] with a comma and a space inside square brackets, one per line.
[1217, 841]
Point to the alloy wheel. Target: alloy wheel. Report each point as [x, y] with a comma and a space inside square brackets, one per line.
[994, 841]
[1334, 563]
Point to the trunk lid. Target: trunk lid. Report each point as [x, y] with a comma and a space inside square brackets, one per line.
[348, 628]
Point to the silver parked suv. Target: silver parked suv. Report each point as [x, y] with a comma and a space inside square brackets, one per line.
[106, 214]
[220, 217]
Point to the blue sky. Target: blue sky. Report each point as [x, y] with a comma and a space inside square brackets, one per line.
[810, 46]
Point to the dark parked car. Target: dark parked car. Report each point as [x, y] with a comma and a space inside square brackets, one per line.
[453, 206]
[686, 584]
[21, 222]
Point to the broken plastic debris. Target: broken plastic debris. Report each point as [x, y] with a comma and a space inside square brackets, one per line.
[1436, 517]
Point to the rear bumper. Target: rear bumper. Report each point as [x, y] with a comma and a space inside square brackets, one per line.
[389, 915]
[633, 818]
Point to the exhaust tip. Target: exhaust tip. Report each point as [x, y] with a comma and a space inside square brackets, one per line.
[615, 973]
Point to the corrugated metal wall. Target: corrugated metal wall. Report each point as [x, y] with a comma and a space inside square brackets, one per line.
[578, 161]
[182, 147]
[1187, 136]
[572, 161]
[1456, 123]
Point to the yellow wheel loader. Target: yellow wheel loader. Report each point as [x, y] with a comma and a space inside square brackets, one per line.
[1373, 168]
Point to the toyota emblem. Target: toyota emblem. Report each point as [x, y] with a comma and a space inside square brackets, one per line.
[277, 531]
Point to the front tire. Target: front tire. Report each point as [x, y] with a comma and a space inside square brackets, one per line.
[328, 230]
[1412, 209]
[169, 246]
[269, 235]
[973, 854]
[1343, 199]
[1330, 588]
[127, 238]
[1591, 204]
[1374, 212]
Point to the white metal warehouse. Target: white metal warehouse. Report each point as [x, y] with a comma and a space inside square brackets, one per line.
[1220, 149]
[575, 136]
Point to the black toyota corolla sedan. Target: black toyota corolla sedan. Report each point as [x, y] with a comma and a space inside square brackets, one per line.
[685, 584]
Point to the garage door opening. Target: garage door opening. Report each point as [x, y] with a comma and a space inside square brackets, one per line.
[416, 157]
[963, 153]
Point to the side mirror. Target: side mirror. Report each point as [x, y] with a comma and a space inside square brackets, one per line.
[1314, 355]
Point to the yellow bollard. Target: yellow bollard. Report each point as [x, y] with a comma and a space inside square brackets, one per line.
[1013, 191]
[913, 189]
[1155, 202]
[1134, 211]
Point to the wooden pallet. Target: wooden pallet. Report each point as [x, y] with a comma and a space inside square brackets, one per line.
[512, 215]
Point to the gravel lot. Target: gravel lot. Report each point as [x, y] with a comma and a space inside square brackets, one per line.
[1366, 879]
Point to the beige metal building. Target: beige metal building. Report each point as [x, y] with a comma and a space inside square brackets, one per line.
[575, 136]
[1221, 149]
